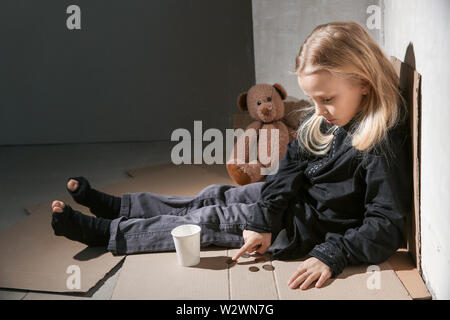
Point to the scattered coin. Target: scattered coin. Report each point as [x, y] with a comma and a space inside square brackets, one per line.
[268, 267]
[253, 269]
[261, 259]
[245, 255]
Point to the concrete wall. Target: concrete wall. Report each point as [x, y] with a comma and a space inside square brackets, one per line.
[426, 25]
[280, 27]
[136, 71]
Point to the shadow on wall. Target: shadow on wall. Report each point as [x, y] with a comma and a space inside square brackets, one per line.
[410, 59]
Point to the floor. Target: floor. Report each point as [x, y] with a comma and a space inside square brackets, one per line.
[35, 174]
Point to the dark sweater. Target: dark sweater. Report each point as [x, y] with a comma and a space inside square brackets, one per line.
[347, 207]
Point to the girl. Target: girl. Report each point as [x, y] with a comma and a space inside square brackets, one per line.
[340, 195]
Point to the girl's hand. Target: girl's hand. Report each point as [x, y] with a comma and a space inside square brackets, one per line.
[254, 241]
[307, 272]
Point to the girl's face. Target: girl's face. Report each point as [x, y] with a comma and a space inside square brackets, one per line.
[337, 99]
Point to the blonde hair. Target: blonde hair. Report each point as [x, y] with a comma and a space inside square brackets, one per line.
[347, 49]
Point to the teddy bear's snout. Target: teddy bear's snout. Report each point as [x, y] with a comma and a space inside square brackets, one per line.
[266, 110]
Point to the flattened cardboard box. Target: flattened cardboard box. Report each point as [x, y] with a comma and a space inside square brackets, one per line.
[410, 85]
[33, 258]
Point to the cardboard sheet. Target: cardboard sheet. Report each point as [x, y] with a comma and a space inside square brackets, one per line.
[410, 81]
[183, 180]
[246, 284]
[408, 274]
[354, 283]
[33, 258]
[159, 276]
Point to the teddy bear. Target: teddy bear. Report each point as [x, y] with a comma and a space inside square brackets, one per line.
[267, 106]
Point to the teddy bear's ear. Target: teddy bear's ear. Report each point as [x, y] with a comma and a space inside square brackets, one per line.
[242, 101]
[280, 90]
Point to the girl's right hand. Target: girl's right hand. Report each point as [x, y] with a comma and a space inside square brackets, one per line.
[254, 241]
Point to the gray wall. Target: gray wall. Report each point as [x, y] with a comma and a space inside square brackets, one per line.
[426, 25]
[136, 71]
[280, 27]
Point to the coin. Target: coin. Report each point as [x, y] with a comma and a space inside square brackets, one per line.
[261, 259]
[268, 267]
[253, 269]
[245, 255]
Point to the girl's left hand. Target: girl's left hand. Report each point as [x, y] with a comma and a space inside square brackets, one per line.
[307, 272]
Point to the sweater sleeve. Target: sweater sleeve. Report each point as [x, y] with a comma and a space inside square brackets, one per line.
[277, 191]
[388, 199]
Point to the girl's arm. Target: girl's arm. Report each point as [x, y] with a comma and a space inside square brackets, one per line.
[388, 199]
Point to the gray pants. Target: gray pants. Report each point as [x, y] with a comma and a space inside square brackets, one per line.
[146, 218]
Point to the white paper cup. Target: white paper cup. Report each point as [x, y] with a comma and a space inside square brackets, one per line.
[187, 244]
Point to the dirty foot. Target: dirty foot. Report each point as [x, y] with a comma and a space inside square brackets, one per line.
[77, 226]
[101, 204]
[72, 185]
[58, 206]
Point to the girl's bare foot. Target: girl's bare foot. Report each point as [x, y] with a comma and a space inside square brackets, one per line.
[72, 185]
[77, 226]
[100, 204]
[58, 206]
